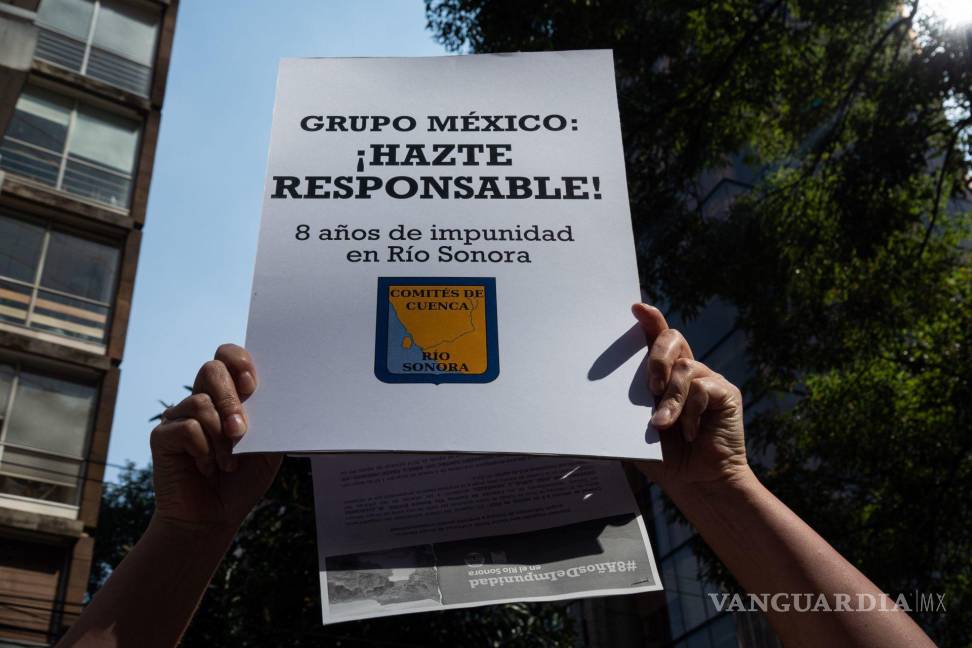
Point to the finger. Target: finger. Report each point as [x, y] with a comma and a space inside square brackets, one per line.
[651, 319]
[669, 346]
[695, 404]
[183, 436]
[708, 393]
[671, 403]
[215, 379]
[200, 407]
[241, 367]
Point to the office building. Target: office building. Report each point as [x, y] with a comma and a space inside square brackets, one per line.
[81, 90]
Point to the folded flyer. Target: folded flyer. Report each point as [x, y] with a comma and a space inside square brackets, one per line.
[403, 533]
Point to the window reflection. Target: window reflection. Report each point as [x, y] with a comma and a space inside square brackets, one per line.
[71, 146]
[107, 40]
[76, 286]
[50, 414]
[80, 267]
[69, 16]
[127, 30]
[44, 426]
[20, 247]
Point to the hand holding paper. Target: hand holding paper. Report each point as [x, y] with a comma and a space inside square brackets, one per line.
[699, 412]
[198, 482]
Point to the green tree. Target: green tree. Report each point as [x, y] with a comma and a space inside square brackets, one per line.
[266, 593]
[847, 261]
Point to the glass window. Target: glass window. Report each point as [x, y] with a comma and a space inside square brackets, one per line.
[44, 428]
[6, 381]
[107, 40]
[689, 587]
[50, 414]
[76, 285]
[71, 146]
[20, 248]
[102, 137]
[40, 475]
[730, 359]
[698, 640]
[127, 30]
[676, 623]
[716, 320]
[80, 267]
[41, 118]
[69, 16]
[723, 632]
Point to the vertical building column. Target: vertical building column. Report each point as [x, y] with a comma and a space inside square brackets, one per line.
[18, 38]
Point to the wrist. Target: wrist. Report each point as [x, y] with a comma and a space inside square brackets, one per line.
[181, 533]
[740, 481]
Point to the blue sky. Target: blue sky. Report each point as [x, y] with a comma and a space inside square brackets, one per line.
[192, 290]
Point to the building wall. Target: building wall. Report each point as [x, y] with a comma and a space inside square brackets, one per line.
[75, 169]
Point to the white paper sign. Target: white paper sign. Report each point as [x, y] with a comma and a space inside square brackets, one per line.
[446, 261]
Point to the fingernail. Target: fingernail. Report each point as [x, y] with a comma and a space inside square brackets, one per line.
[232, 463]
[247, 382]
[235, 426]
[660, 417]
[689, 435]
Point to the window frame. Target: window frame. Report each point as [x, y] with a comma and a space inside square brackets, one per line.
[64, 156]
[23, 502]
[88, 45]
[36, 288]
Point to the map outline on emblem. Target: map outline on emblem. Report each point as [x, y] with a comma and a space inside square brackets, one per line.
[388, 325]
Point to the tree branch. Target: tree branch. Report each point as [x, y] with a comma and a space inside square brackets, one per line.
[844, 108]
[940, 184]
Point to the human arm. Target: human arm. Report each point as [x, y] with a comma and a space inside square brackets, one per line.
[202, 495]
[765, 545]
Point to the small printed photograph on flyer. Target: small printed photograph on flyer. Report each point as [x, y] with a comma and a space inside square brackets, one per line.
[380, 583]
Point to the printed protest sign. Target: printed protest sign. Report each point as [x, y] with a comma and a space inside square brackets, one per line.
[446, 261]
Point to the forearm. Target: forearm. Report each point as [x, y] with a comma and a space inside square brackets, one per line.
[151, 596]
[769, 550]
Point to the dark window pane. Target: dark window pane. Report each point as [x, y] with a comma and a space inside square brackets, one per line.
[689, 587]
[698, 640]
[670, 580]
[97, 182]
[51, 414]
[59, 49]
[6, 380]
[79, 267]
[723, 633]
[41, 118]
[119, 71]
[20, 245]
[30, 162]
